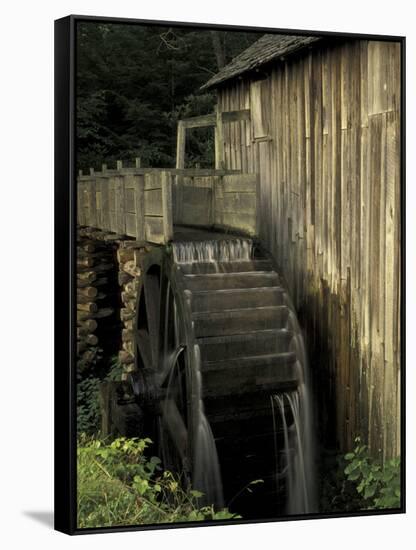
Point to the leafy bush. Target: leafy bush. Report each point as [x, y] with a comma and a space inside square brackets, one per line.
[88, 407]
[337, 493]
[377, 484]
[88, 388]
[119, 485]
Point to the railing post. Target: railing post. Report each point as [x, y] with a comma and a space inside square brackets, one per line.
[180, 145]
[166, 184]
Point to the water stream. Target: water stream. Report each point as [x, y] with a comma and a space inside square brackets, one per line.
[290, 410]
[213, 251]
[207, 472]
[292, 418]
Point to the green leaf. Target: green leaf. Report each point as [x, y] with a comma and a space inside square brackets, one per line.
[354, 476]
[351, 467]
[141, 485]
[369, 491]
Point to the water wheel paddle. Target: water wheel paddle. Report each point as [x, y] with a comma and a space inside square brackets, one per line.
[215, 337]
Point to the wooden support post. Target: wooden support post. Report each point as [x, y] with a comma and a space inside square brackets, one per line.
[119, 165]
[180, 145]
[219, 142]
[140, 226]
[120, 217]
[103, 168]
[138, 162]
[166, 182]
[257, 212]
[91, 171]
[92, 203]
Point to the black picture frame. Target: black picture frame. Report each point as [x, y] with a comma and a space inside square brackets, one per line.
[65, 262]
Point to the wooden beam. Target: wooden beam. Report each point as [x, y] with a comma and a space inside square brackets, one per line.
[200, 121]
[175, 171]
[180, 145]
[211, 119]
[139, 196]
[219, 142]
[166, 182]
[234, 116]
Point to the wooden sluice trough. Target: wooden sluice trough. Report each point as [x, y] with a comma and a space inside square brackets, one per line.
[215, 334]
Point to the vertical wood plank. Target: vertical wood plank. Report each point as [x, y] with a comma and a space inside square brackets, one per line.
[139, 198]
[166, 183]
[180, 145]
[219, 141]
[92, 202]
[105, 206]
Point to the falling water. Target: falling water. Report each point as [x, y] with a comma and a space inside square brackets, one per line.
[291, 411]
[213, 251]
[207, 473]
[292, 416]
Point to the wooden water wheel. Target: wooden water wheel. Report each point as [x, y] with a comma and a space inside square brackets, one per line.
[213, 341]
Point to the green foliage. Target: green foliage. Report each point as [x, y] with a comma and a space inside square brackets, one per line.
[88, 386]
[377, 484]
[88, 407]
[337, 493]
[116, 369]
[134, 82]
[118, 485]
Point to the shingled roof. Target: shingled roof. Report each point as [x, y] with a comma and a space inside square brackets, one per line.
[267, 48]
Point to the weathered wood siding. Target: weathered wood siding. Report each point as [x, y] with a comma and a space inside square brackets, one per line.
[193, 200]
[236, 203]
[324, 135]
[135, 203]
[226, 202]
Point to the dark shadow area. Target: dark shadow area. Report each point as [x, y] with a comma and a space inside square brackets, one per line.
[43, 517]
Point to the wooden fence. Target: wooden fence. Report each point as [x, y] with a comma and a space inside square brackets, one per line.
[147, 203]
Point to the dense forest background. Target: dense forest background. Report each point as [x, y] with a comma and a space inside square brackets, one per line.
[133, 84]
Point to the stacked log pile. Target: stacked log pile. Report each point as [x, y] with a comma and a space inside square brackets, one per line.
[97, 297]
[129, 256]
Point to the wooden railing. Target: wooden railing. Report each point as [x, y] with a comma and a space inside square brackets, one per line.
[146, 203]
[226, 202]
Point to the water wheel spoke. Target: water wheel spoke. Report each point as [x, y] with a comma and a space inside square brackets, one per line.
[144, 348]
[152, 298]
[169, 365]
[173, 421]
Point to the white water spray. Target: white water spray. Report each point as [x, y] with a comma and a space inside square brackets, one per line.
[213, 251]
